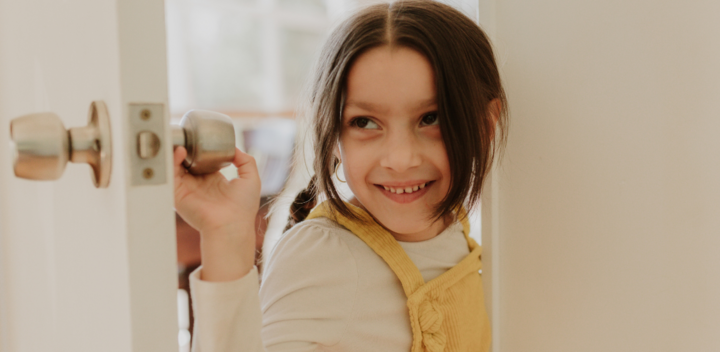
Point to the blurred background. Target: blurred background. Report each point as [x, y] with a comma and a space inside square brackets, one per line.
[250, 59]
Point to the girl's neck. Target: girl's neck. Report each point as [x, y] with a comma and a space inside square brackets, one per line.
[430, 232]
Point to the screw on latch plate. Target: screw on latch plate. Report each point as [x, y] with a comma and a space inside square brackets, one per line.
[148, 173]
[145, 114]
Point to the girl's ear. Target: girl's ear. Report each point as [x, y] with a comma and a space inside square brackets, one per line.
[494, 111]
[336, 151]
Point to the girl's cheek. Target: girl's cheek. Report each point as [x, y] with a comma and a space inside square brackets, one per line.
[361, 135]
[433, 133]
[356, 152]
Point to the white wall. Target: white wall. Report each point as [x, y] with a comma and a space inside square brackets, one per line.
[609, 194]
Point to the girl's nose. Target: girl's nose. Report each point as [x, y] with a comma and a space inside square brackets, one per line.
[401, 152]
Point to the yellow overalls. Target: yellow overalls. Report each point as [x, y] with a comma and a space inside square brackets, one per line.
[448, 312]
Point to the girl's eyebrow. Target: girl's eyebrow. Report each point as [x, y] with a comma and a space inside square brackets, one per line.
[425, 103]
[368, 106]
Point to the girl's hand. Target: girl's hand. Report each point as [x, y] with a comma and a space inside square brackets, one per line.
[210, 202]
[223, 212]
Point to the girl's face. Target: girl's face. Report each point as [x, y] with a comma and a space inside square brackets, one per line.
[393, 155]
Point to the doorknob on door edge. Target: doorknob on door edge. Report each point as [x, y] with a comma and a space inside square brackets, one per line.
[208, 137]
[42, 146]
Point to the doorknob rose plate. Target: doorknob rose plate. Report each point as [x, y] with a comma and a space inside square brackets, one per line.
[42, 146]
[101, 146]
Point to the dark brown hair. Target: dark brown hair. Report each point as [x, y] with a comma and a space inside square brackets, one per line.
[466, 79]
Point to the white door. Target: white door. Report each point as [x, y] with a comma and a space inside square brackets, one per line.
[83, 268]
[605, 215]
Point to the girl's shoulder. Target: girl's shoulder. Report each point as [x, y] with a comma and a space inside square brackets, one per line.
[312, 240]
[319, 231]
[319, 223]
[319, 245]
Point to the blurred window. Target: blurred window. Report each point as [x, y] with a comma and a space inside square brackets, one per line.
[246, 58]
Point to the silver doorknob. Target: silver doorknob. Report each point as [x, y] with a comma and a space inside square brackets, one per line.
[208, 137]
[42, 146]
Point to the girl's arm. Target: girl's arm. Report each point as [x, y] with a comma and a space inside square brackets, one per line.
[307, 306]
[227, 314]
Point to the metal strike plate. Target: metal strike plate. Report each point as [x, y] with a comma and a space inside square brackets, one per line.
[146, 142]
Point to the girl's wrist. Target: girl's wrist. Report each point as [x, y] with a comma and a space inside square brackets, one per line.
[237, 228]
[227, 253]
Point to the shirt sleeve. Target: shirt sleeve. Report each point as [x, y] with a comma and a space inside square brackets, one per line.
[227, 314]
[305, 301]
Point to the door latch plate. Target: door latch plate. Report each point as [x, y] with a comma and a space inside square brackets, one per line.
[146, 142]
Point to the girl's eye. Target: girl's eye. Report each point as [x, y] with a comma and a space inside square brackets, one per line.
[363, 122]
[430, 119]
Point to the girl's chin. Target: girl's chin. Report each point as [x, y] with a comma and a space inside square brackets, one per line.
[402, 220]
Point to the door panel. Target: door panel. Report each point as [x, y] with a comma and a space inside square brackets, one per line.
[608, 197]
[84, 269]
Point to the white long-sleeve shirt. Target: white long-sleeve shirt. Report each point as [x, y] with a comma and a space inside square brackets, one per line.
[323, 289]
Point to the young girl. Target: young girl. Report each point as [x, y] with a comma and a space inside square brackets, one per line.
[406, 100]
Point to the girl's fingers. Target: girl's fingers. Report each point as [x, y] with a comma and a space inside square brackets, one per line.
[179, 155]
[245, 164]
[178, 169]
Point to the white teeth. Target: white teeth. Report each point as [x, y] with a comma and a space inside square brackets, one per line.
[405, 190]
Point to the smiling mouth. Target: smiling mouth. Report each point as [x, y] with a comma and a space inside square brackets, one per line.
[406, 189]
[406, 194]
